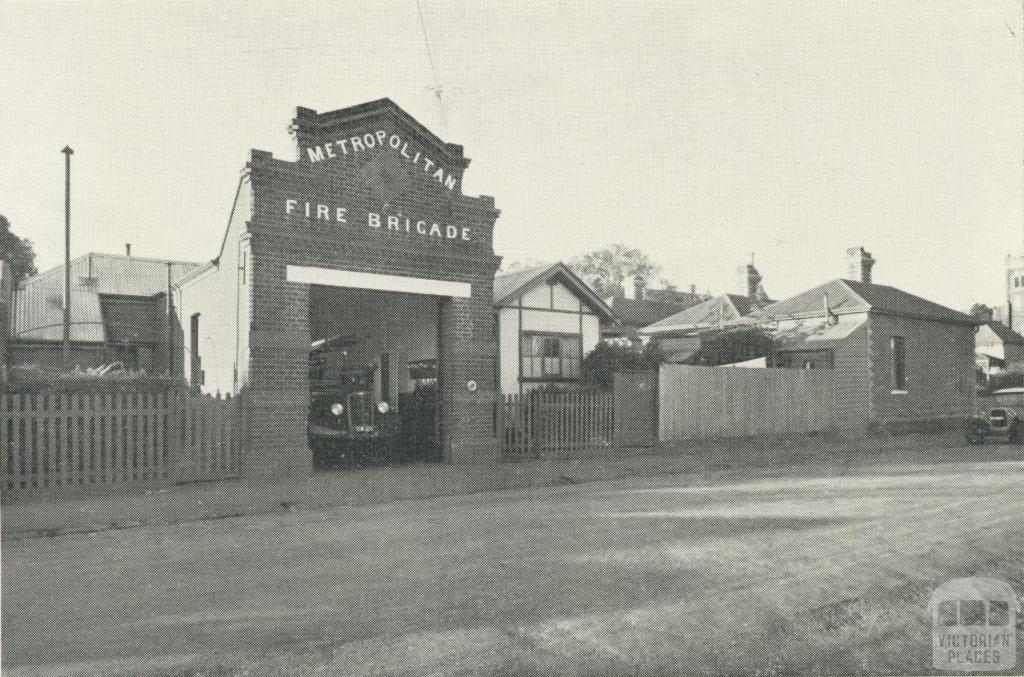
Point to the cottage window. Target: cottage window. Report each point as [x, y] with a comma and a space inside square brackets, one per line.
[551, 357]
[899, 363]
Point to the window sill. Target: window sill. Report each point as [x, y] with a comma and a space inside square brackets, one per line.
[897, 392]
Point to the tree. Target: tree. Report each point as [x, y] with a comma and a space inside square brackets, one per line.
[17, 252]
[601, 363]
[981, 312]
[733, 345]
[606, 269]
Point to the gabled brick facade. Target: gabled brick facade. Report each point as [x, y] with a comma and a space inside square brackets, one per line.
[378, 208]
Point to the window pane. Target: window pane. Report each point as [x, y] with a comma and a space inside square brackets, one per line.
[899, 359]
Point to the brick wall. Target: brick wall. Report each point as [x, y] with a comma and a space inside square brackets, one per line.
[939, 370]
[281, 234]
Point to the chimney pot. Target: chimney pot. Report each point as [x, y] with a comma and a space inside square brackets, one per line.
[127, 248]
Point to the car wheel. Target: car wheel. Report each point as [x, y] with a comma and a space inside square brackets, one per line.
[975, 433]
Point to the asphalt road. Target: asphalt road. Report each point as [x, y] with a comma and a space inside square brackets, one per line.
[650, 575]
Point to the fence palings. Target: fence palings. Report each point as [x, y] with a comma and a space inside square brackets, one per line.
[547, 424]
[53, 440]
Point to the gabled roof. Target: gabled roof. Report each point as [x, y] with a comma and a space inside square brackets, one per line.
[39, 300]
[1005, 334]
[510, 287]
[850, 296]
[721, 309]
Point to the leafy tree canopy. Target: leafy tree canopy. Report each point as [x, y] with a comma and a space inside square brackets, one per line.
[607, 268]
[600, 364]
[981, 312]
[16, 251]
[733, 345]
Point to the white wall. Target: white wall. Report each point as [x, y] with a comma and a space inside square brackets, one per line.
[546, 309]
[221, 296]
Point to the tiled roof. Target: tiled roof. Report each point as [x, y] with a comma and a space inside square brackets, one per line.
[38, 304]
[849, 296]
[721, 309]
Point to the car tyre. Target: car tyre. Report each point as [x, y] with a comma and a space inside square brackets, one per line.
[975, 433]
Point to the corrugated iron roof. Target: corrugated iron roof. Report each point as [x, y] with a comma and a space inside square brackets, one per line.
[38, 303]
[722, 309]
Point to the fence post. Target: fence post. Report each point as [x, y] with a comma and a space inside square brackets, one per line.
[175, 412]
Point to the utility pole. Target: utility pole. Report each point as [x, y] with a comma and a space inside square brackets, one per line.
[67, 257]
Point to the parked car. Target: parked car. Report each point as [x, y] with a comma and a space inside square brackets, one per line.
[999, 422]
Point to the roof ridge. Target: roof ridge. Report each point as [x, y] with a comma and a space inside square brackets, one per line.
[846, 284]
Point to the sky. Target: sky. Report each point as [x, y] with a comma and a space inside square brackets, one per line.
[699, 132]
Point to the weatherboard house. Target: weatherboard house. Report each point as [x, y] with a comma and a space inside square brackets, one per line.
[548, 320]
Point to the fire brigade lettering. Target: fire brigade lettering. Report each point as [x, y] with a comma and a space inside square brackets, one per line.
[375, 220]
[382, 139]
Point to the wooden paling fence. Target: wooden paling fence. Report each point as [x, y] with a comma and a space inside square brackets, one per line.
[553, 424]
[51, 441]
[720, 402]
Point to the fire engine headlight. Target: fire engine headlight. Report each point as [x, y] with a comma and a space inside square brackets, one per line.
[337, 409]
[383, 407]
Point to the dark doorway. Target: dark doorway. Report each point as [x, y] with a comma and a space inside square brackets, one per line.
[373, 377]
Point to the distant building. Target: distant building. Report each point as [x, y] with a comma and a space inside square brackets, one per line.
[681, 335]
[640, 306]
[996, 346]
[1013, 317]
[548, 320]
[119, 313]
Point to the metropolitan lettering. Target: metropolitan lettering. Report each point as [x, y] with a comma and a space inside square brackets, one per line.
[381, 139]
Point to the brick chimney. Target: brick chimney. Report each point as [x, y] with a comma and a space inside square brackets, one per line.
[859, 264]
[750, 281]
[639, 287]
[634, 287]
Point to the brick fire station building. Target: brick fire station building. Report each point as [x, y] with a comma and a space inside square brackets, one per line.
[365, 238]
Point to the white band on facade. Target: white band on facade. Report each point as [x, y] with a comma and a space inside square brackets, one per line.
[354, 280]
